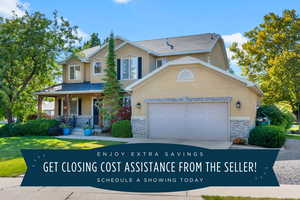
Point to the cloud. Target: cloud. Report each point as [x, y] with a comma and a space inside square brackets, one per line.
[229, 39]
[8, 6]
[122, 1]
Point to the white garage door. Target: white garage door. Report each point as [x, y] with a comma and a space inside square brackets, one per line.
[194, 121]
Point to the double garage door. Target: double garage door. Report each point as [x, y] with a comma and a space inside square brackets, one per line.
[191, 121]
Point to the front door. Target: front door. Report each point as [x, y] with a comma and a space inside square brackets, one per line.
[96, 107]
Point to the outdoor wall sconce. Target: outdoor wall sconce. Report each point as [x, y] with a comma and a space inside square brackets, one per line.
[238, 105]
[138, 105]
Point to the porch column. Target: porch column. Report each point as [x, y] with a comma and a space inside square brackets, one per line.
[40, 103]
[66, 105]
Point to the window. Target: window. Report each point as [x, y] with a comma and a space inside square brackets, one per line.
[129, 68]
[97, 67]
[74, 72]
[160, 62]
[60, 107]
[185, 75]
[74, 106]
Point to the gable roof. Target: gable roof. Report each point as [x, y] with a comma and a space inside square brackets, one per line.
[191, 60]
[199, 43]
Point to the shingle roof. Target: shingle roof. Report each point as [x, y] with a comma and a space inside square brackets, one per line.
[73, 88]
[201, 42]
[90, 51]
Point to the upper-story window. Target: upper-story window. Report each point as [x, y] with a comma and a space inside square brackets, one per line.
[129, 68]
[97, 68]
[160, 62]
[74, 72]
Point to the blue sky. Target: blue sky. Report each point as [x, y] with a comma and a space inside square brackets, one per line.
[149, 19]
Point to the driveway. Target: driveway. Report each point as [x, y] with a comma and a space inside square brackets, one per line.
[287, 165]
[204, 144]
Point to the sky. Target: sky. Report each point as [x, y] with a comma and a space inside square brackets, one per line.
[150, 19]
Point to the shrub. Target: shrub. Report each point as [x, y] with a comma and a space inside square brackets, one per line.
[37, 127]
[121, 128]
[239, 140]
[289, 119]
[267, 136]
[279, 117]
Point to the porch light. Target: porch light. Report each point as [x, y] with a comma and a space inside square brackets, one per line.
[138, 105]
[238, 105]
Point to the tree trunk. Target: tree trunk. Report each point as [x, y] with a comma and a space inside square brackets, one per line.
[9, 116]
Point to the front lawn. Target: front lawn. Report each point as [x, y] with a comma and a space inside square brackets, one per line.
[12, 162]
[293, 136]
[240, 198]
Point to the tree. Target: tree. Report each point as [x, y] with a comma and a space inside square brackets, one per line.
[29, 46]
[92, 42]
[112, 90]
[271, 57]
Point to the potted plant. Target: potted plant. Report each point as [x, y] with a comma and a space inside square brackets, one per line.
[66, 129]
[87, 130]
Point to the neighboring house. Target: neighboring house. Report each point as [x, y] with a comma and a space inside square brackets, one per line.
[178, 87]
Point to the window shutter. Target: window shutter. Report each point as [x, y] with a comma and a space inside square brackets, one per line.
[59, 107]
[79, 107]
[119, 69]
[140, 67]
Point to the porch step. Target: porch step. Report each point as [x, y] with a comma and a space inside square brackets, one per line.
[77, 131]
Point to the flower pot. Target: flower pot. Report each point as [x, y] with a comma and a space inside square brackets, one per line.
[87, 132]
[67, 131]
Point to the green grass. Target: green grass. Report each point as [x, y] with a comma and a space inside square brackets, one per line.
[293, 136]
[12, 162]
[240, 198]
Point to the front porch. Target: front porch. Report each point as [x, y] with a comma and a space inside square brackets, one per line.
[77, 104]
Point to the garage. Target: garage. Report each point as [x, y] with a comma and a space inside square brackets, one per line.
[190, 121]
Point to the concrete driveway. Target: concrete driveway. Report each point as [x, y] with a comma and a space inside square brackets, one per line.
[204, 144]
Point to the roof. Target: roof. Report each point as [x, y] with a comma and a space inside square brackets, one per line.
[72, 88]
[200, 43]
[191, 60]
[191, 43]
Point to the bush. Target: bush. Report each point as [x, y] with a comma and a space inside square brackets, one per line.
[37, 127]
[121, 128]
[278, 117]
[267, 136]
[289, 119]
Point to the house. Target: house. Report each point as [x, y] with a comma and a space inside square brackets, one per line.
[178, 87]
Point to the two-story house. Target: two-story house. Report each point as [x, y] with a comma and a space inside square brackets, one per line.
[178, 87]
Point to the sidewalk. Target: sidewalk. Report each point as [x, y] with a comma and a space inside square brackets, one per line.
[10, 190]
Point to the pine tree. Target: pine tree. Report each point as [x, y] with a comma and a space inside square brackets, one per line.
[112, 89]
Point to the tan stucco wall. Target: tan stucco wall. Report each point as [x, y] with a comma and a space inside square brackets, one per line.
[217, 56]
[201, 56]
[207, 83]
[66, 71]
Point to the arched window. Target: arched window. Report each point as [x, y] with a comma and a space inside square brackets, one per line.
[185, 75]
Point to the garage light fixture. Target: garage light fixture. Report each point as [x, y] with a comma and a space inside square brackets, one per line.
[138, 105]
[238, 105]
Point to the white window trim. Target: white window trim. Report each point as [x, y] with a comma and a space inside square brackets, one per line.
[69, 69]
[121, 68]
[93, 66]
[77, 110]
